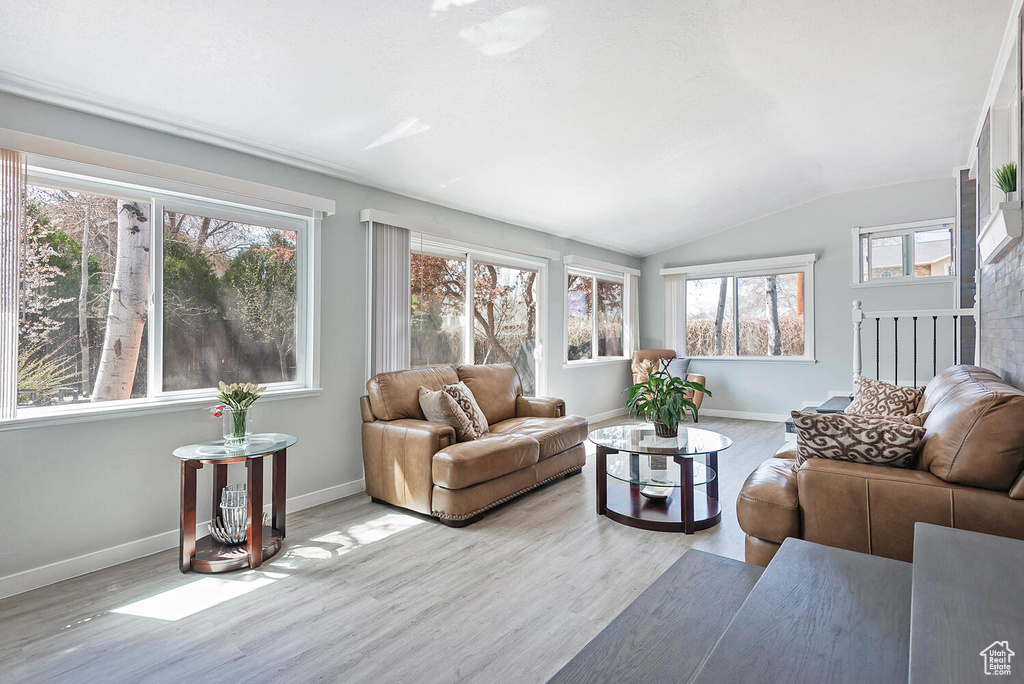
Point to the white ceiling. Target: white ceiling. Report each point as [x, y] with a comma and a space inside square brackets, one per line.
[634, 125]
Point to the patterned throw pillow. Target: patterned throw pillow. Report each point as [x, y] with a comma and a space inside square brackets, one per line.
[875, 397]
[858, 439]
[440, 407]
[467, 402]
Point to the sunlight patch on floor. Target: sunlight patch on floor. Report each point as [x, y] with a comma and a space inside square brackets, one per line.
[194, 597]
[371, 530]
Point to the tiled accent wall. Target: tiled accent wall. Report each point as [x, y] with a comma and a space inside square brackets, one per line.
[1002, 315]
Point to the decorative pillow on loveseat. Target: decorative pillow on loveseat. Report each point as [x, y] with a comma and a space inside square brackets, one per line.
[876, 397]
[875, 440]
[463, 396]
[440, 407]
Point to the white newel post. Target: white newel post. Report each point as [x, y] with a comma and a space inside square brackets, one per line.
[858, 318]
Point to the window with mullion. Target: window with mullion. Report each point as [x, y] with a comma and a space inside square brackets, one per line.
[128, 294]
[595, 311]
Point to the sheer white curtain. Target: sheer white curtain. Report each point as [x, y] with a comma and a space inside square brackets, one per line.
[390, 293]
[12, 218]
[632, 287]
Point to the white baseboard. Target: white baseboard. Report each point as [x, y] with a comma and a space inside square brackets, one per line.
[97, 560]
[606, 415]
[744, 415]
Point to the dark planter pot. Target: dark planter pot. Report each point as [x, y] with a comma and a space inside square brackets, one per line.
[663, 430]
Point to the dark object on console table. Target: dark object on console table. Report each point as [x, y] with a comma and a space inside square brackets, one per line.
[262, 542]
[968, 592]
[668, 631]
[823, 615]
[418, 465]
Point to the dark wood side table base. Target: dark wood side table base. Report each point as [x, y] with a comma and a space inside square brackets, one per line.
[209, 555]
[685, 510]
[212, 556]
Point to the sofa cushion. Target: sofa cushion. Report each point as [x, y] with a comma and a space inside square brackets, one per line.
[768, 507]
[876, 397]
[677, 367]
[396, 394]
[857, 439]
[467, 402]
[975, 429]
[495, 387]
[440, 407]
[469, 463]
[554, 434]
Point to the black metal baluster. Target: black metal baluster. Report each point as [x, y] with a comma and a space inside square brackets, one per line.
[878, 373]
[895, 350]
[915, 351]
[935, 344]
[955, 355]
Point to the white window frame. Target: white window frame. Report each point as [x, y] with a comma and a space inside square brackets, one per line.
[175, 195]
[432, 245]
[675, 300]
[901, 230]
[596, 270]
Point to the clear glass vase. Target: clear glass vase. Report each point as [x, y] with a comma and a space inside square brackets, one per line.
[237, 427]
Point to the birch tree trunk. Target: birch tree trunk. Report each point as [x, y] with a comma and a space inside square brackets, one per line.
[771, 304]
[723, 290]
[126, 314]
[83, 305]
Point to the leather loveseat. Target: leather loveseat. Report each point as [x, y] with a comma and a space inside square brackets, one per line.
[416, 464]
[967, 474]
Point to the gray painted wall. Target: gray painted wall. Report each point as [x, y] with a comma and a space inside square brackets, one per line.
[71, 490]
[822, 226]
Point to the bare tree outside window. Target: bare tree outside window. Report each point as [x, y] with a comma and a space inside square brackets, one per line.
[504, 314]
[770, 313]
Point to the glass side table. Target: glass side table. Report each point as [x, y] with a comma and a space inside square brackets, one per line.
[654, 479]
[261, 541]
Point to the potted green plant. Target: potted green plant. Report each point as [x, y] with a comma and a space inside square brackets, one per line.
[1006, 178]
[663, 400]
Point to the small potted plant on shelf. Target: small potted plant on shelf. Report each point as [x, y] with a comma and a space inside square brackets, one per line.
[1006, 178]
[236, 400]
[663, 400]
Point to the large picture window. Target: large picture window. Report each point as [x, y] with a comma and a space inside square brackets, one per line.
[905, 252]
[503, 320]
[754, 309]
[130, 293]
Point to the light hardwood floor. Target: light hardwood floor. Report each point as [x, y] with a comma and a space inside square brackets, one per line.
[365, 592]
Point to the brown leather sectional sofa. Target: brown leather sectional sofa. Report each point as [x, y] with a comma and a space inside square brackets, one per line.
[968, 475]
[416, 464]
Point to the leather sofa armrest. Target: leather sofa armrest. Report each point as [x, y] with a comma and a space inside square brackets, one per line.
[786, 451]
[869, 508]
[539, 407]
[397, 460]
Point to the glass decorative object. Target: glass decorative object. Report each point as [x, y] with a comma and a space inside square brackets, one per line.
[237, 427]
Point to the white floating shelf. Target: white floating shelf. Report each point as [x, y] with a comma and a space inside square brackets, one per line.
[1001, 230]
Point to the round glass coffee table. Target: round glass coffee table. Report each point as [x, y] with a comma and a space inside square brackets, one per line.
[649, 482]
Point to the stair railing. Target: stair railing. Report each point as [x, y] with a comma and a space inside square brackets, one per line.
[927, 319]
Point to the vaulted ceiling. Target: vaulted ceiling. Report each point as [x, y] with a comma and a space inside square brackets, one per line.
[634, 125]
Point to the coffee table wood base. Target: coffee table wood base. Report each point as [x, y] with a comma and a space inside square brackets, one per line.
[626, 505]
[212, 556]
